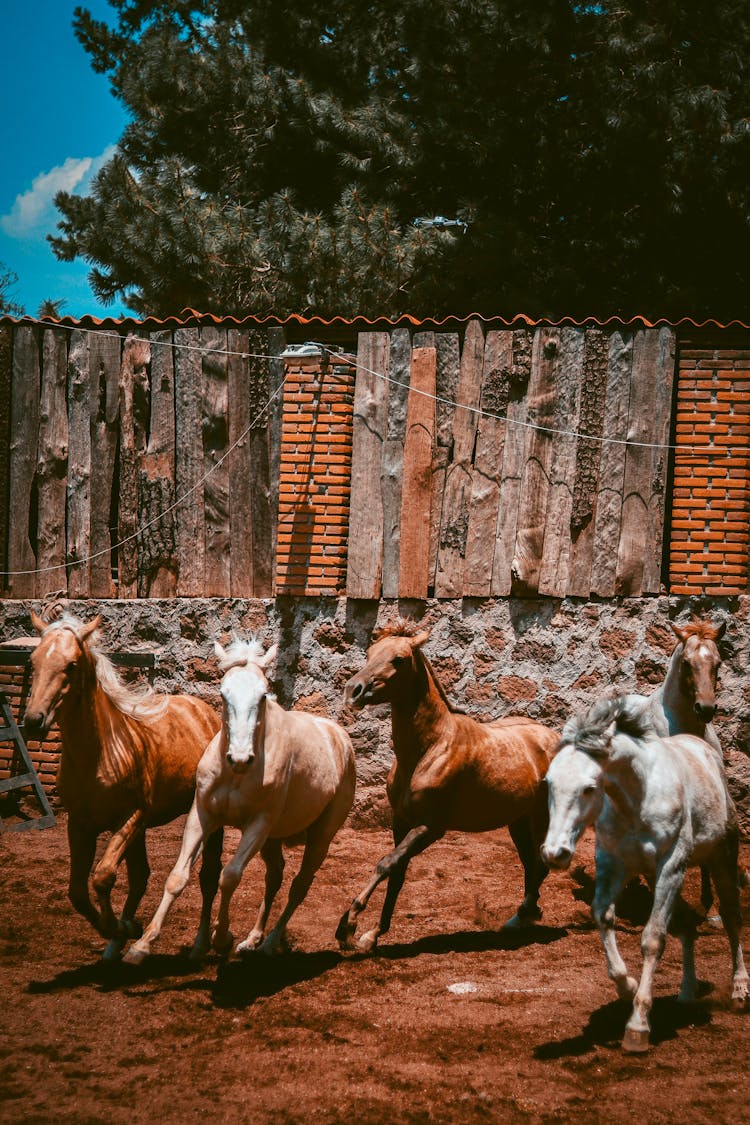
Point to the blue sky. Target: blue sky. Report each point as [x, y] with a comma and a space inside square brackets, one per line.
[61, 122]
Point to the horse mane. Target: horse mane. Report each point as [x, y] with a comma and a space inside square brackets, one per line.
[240, 652]
[698, 627]
[407, 627]
[587, 732]
[139, 702]
[403, 627]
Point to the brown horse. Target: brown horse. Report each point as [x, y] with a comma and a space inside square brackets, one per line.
[450, 772]
[128, 763]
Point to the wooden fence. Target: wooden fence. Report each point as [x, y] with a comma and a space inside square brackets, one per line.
[502, 495]
[112, 434]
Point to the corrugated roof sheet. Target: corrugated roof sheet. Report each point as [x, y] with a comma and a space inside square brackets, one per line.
[191, 317]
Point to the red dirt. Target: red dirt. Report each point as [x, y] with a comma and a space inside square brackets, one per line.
[317, 1036]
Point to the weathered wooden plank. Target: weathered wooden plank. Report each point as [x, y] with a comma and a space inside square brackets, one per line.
[488, 462]
[215, 466]
[240, 464]
[454, 522]
[448, 348]
[365, 550]
[134, 395]
[535, 482]
[588, 461]
[79, 466]
[415, 498]
[612, 469]
[6, 378]
[24, 432]
[52, 464]
[517, 436]
[157, 563]
[190, 522]
[639, 554]
[104, 367]
[393, 457]
[554, 572]
[660, 431]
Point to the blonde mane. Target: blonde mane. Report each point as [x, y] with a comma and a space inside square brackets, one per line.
[240, 652]
[140, 702]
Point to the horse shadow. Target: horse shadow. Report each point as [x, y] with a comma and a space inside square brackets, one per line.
[606, 1026]
[469, 941]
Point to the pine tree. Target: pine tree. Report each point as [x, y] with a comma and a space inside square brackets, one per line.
[8, 281]
[278, 156]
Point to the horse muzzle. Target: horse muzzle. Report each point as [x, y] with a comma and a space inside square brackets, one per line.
[358, 693]
[705, 711]
[36, 724]
[558, 858]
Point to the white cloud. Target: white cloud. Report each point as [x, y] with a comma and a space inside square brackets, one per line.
[34, 212]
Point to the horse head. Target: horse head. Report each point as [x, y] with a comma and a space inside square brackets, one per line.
[244, 691]
[699, 664]
[575, 792]
[55, 663]
[391, 666]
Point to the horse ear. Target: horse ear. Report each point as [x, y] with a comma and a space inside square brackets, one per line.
[679, 632]
[420, 638]
[610, 732]
[219, 652]
[92, 626]
[269, 658]
[38, 622]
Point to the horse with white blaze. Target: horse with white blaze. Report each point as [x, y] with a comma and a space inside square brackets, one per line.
[660, 805]
[279, 776]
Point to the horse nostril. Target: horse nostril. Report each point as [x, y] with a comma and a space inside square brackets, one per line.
[357, 690]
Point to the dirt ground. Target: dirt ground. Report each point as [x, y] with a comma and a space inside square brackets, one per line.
[532, 1035]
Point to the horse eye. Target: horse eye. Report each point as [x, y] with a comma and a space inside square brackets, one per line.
[70, 668]
[591, 788]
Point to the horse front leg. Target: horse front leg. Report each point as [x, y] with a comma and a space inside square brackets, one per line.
[136, 861]
[252, 840]
[192, 841]
[610, 879]
[668, 884]
[392, 867]
[82, 847]
[105, 872]
[527, 842]
[209, 884]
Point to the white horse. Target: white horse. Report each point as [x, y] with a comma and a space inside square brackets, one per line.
[280, 776]
[660, 805]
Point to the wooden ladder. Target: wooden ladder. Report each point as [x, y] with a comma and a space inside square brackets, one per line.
[9, 732]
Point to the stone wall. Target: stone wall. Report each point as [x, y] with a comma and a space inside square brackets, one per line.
[544, 658]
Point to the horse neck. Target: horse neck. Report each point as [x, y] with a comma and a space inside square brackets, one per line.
[84, 717]
[625, 774]
[419, 717]
[678, 713]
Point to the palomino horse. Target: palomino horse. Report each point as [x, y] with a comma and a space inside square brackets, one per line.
[277, 775]
[450, 772]
[660, 805]
[128, 763]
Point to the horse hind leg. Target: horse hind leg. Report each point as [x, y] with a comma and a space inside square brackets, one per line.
[723, 868]
[273, 857]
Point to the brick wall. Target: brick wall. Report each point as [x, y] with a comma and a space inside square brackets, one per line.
[710, 533]
[15, 681]
[315, 475]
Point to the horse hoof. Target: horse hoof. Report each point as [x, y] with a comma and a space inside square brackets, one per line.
[740, 1000]
[250, 944]
[222, 945]
[367, 943]
[135, 956]
[345, 932]
[635, 1041]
